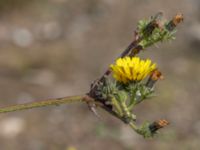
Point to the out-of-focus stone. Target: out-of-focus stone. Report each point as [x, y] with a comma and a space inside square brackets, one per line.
[48, 31]
[77, 31]
[11, 127]
[41, 77]
[22, 37]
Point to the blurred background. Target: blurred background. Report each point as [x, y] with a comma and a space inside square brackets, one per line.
[55, 48]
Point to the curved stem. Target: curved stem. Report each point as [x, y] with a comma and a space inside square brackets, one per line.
[43, 103]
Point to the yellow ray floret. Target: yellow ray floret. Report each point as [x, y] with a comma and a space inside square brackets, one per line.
[132, 69]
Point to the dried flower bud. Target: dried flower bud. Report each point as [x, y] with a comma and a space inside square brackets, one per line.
[150, 27]
[158, 125]
[174, 22]
[155, 76]
[177, 19]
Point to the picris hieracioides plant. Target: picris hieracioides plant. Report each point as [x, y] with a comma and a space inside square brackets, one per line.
[127, 82]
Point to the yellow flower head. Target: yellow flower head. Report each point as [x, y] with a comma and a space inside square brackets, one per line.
[132, 69]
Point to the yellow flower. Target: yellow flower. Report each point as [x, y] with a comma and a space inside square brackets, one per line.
[132, 69]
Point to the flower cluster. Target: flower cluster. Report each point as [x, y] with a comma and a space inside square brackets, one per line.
[134, 78]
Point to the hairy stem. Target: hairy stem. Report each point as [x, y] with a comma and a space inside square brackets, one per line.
[50, 102]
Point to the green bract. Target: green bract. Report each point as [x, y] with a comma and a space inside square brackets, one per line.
[157, 34]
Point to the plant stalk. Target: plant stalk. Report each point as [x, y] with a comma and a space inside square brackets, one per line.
[43, 103]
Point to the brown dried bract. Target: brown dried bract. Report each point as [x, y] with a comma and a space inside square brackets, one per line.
[177, 19]
[158, 125]
[156, 75]
[162, 123]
